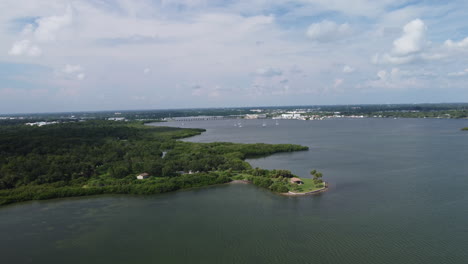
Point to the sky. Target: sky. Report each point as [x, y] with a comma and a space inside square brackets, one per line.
[86, 55]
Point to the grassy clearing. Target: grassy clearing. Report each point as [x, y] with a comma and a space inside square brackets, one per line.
[308, 186]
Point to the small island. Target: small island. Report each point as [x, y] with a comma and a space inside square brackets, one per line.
[108, 157]
[283, 181]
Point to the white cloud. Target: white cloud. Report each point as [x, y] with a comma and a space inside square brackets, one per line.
[409, 47]
[348, 69]
[398, 79]
[74, 71]
[72, 68]
[25, 47]
[48, 27]
[225, 42]
[328, 31]
[388, 58]
[413, 39]
[44, 30]
[462, 44]
[382, 75]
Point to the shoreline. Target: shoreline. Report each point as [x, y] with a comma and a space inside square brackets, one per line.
[240, 181]
[289, 193]
[323, 189]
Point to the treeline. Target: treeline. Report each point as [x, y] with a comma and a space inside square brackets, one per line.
[128, 186]
[275, 180]
[82, 158]
[79, 151]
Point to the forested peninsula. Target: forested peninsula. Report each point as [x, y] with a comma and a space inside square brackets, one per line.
[105, 157]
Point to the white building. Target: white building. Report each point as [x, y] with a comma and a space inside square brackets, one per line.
[41, 123]
[291, 115]
[116, 118]
[254, 116]
[142, 176]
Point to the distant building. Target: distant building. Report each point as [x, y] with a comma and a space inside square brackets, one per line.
[296, 180]
[142, 176]
[291, 115]
[254, 116]
[41, 123]
[116, 118]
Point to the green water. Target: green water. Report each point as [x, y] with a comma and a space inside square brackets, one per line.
[398, 195]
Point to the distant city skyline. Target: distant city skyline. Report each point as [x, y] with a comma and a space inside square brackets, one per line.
[85, 55]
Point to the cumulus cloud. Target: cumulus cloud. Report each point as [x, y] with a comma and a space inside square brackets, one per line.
[48, 27]
[462, 44]
[328, 31]
[44, 29]
[382, 75]
[408, 47]
[25, 47]
[75, 71]
[398, 79]
[72, 68]
[212, 43]
[348, 69]
[396, 74]
[413, 39]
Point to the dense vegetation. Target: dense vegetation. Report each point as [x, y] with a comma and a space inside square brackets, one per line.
[97, 157]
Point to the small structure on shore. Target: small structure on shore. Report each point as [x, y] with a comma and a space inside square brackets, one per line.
[295, 180]
[142, 176]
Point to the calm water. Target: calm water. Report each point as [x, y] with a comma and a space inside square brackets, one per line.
[398, 195]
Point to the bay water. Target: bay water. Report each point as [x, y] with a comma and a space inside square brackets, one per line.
[398, 194]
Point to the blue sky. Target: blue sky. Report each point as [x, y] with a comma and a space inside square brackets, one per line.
[58, 55]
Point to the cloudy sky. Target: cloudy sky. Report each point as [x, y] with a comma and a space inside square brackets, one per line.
[59, 55]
